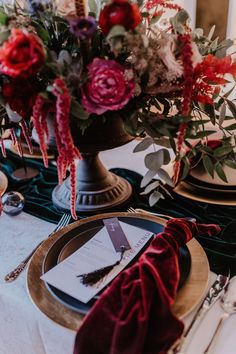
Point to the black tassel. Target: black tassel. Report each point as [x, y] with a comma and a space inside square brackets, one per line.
[97, 275]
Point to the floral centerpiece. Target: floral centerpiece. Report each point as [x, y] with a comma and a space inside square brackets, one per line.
[79, 63]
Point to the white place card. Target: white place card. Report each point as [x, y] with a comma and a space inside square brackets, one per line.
[97, 253]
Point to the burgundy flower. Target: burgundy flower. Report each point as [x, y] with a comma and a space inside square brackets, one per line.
[20, 94]
[214, 144]
[83, 27]
[21, 55]
[119, 12]
[107, 88]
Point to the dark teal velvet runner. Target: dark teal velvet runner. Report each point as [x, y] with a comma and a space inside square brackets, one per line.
[221, 250]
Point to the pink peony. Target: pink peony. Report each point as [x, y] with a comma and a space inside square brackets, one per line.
[107, 88]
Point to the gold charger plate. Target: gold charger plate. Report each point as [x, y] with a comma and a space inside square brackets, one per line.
[187, 299]
[188, 191]
[200, 174]
[3, 183]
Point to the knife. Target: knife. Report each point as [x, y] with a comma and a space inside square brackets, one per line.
[216, 290]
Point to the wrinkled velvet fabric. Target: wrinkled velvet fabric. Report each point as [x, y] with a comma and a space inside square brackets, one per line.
[134, 316]
[221, 250]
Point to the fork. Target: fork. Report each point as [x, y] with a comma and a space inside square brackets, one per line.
[138, 210]
[13, 275]
[167, 217]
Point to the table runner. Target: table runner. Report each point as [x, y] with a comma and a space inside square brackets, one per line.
[221, 250]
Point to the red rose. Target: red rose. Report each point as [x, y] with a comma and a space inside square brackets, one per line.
[21, 55]
[119, 12]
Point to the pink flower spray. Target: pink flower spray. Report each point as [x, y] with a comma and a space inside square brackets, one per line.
[67, 152]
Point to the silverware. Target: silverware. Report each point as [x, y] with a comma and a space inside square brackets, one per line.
[229, 306]
[138, 210]
[167, 217]
[13, 275]
[216, 290]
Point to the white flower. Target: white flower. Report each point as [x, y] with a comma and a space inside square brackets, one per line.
[196, 58]
[166, 53]
[66, 8]
[129, 74]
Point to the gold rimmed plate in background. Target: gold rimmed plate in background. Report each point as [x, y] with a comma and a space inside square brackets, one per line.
[3, 183]
[201, 176]
[210, 188]
[194, 193]
[190, 294]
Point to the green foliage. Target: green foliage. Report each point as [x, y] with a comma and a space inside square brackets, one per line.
[220, 172]
[154, 198]
[78, 111]
[3, 18]
[144, 144]
[208, 164]
[179, 21]
[116, 31]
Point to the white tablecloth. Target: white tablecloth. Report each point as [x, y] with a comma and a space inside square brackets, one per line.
[24, 329]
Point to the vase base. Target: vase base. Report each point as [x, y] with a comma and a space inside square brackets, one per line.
[111, 197]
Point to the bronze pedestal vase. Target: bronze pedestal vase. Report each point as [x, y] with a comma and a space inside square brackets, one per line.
[97, 189]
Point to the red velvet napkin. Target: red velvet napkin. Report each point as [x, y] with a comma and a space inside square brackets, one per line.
[133, 316]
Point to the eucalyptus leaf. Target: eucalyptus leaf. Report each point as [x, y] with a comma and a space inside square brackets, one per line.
[162, 142]
[214, 44]
[154, 160]
[185, 170]
[78, 111]
[232, 107]
[222, 114]
[93, 6]
[222, 151]
[198, 32]
[210, 111]
[211, 33]
[143, 145]
[42, 32]
[116, 31]
[230, 163]
[223, 47]
[154, 198]
[227, 94]
[231, 127]
[173, 144]
[208, 165]
[44, 94]
[150, 187]
[220, 172]
[165, 177]
[147, 178]
[166, 156]
[179, 21]
[64, 58]
[12, 115]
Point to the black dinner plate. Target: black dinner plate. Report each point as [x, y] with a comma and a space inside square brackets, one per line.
[71, 241]
[211, 188]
